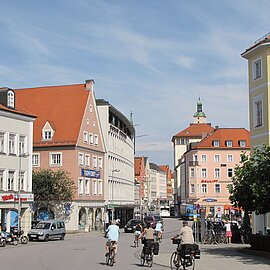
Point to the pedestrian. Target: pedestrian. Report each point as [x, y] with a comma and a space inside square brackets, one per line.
[228, 232]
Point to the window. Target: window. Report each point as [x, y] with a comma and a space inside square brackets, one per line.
[230, 172]
[90, 108]
[257, 69]
[81, 159]
[94, 188]
[87, 186]
[216, 158]
[192, 172]
[192, 188]
[230, 158]
[1, 180]
[229, 143]
[204, 188]
[204, 172]
[217, 188]
[217, 172]
[85, 137]
[80, 186]
[99, 187]
[11, 180]
[2, 142]
[258, 112]
[100, 162]
[182, 141]
[10, 99]
[22, 149]
[87, 160]
[47, 135]
[56, 159]
[204, 159]
[242, 143]
[177, 141]
[195, 157]
[216, 143]
[35, 160]
[11, 143]
[94, 161]
[96, 139]
[91, 138]
[21, 181]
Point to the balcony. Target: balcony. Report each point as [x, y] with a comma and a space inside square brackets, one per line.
[194, 163]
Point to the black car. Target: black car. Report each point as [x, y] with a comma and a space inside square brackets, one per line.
[131, 225]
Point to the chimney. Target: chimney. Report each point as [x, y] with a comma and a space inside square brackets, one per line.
[216, 127]
[89, 85]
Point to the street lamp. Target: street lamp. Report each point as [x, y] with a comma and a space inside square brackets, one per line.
[113, 171]
[23, 155]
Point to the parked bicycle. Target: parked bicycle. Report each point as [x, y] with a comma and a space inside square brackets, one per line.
[110, 257]
[184, 256]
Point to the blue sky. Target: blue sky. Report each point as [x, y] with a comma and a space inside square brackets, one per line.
[151, 57]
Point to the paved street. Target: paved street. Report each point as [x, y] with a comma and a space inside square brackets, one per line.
[86, 251]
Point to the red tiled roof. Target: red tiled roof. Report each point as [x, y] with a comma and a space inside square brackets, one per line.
[61, 105]
[224, 134]
[17, 111]
[195, 130]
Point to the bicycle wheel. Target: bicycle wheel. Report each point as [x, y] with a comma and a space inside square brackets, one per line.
[24, 239]
[112, 258]
[142, 258]
[149, 260]
[174, 261]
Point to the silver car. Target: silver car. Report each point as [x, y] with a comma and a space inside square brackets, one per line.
[48, 229]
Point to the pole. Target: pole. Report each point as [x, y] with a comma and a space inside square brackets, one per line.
[113, 171]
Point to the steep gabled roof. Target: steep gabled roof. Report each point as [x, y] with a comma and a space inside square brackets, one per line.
[195, 130]
[62, 105]
[225, 134]
[17, 111]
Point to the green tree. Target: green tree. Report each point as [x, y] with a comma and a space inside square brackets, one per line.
[250, 187]
[49, 185]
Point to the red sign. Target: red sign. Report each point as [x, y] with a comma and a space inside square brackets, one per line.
[7, 197]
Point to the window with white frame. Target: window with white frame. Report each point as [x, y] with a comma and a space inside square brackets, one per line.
[216, 158]
[2, 142]
[22, 148]
[100, 163]
[99, 187]
[85, 137]
[217, 188]
[257, 69]
[87, 186]
[80, 186]
[195, 157]
[242, 143]
[96, 139]
[204, 158]
[204, 172]
[217, 172]
[87, 160]
[229, 143]
[230, 158]
[192, 172]
[36, 160]
[10, 184]
[258, 111]
[216, 143]
[91, 138]
[192, 188]
[10, 99]
[47, 135]
[81, 159]
[1, 179]
[56, 159]
[11, 143]
[204, 188]
[94, 187]
[21, 181]
[94, 161]
[230, 172]
[90, 108]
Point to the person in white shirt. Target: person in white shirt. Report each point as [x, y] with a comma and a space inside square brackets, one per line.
[158, 230]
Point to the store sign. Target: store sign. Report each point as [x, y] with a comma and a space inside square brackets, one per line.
[209, 200]
[15, 197]
[209, 181]
[91, 173]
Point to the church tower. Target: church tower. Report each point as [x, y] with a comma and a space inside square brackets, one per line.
[199, 116]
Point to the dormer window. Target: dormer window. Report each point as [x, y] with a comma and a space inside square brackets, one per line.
[242, 143]
[229, 143]
[10, 99]
[47, 132]
[47, 135]
[216, 143]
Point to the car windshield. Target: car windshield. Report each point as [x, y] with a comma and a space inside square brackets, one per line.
[43, 225]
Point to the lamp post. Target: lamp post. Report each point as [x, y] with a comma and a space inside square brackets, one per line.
[113, 171]
[23, 155]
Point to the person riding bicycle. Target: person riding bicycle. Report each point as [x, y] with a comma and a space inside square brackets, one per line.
[148, 235]
[159, 229]
[185, 234]
[137, 232]
[112, 233]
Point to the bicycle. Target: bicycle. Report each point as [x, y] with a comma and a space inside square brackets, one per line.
[210, 237]
[147, 255]
[110, 257]
[136, 239]
[158, 236]
[184, 258]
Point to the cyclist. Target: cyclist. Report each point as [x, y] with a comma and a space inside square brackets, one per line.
[158, 230]
[148, 234]
[137, 233]
[113, 235]
[186, 235]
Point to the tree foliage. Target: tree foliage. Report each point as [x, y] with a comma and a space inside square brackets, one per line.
[250, 187]
[49, 185]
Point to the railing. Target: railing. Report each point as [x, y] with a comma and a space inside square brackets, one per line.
[194, 163]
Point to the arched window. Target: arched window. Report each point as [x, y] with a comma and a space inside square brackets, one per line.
[10, 99]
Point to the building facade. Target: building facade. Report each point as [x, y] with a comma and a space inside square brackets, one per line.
[119, 166]
[16, 145]
[258, 56]
[68, 136]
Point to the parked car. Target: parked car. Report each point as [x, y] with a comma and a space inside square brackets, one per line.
[131, 225]
[48, 229]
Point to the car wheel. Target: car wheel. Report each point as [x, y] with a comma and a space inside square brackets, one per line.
[62, 236]
[46, 238]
